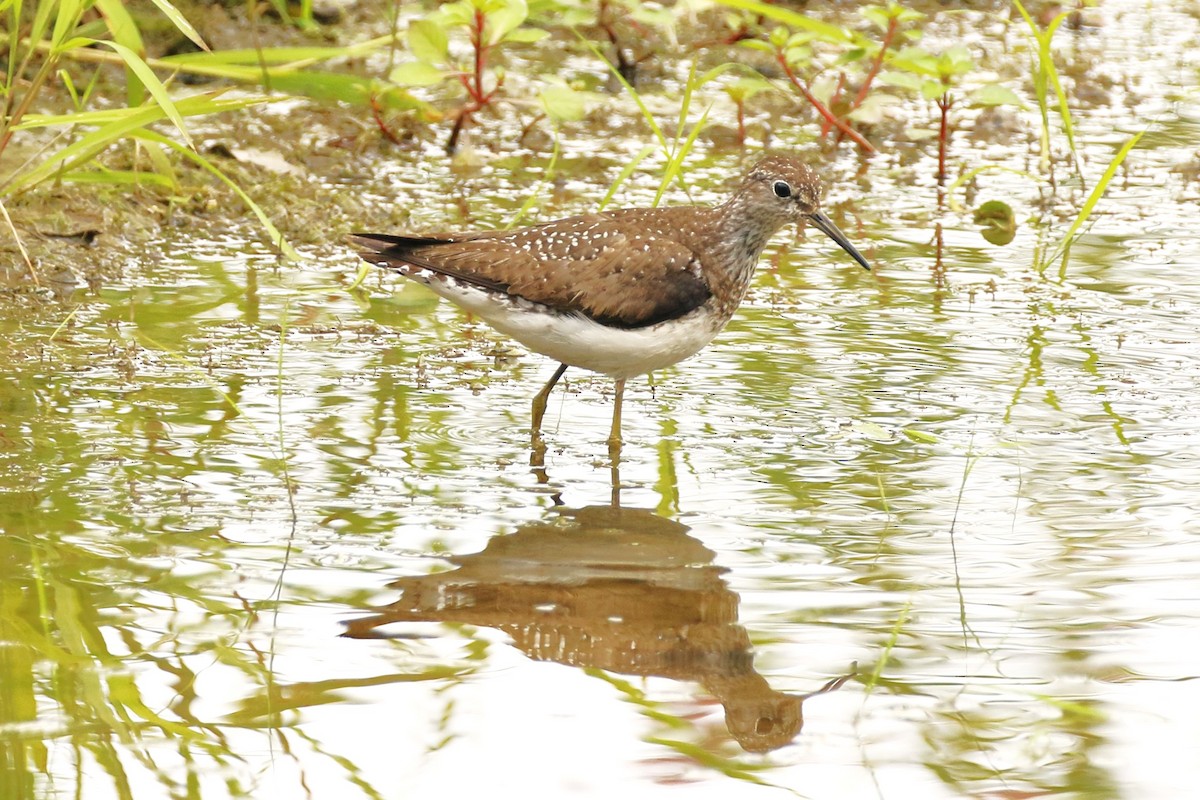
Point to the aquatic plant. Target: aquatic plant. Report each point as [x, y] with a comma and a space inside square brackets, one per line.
[487, 25]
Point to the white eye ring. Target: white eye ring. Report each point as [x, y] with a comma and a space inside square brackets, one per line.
[781, 189]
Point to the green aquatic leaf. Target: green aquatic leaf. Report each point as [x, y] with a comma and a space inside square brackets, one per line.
[428, 42]
[994, 94]
[563, 103]
[417, 73]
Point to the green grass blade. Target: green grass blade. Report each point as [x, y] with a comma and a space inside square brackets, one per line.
[65, 21]
[153, 85]
[675, 165]
[125, 33]
[536, 194]
[793, 19]
[83, 149]
[1047, 58]
[180, 22]
[1093, 199]
[637, 98]
[273, 233]
[195, 105]
[119, 177]
[626, 171]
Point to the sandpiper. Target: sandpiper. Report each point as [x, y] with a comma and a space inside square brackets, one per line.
[622, 292]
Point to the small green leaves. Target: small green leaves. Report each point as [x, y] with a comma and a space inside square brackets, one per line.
[998, 222]
[881, 16]
[417, 73]
[525, 35]
[746, 87]
[562, 103]
[427, 40]
[994, 94]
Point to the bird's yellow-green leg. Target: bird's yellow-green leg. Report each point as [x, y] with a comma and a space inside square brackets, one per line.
[540, 400]
[614, 436]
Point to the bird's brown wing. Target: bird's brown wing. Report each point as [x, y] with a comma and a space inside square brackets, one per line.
[590, 265]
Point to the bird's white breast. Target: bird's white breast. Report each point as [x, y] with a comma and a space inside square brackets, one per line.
[577, 340]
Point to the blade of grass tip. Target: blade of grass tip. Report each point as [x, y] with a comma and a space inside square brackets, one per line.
[873, 680]
[531, 201]
[153, 85]
[279, 384]
[82, 149]
[1039, 83]
[180, 22]
[676, 165]
[626, 171]
[1093, 199]
[273, 233]
[794, 19]
[364, 270]
[124, 32]
[637, 98]
[21, 246]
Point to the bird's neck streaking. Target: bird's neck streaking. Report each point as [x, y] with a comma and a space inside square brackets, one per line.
[740, 232]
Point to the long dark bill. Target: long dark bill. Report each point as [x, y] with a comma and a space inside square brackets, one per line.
[825, 225]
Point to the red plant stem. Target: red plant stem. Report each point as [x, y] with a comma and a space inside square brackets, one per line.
[473, 83]
[854, 135]
[944, 102]
[480, 53]
[377, 112]
[837, 93]
[877, 64]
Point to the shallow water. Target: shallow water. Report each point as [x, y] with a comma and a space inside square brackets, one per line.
[928, 532]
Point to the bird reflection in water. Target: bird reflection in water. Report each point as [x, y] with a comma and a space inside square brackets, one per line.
[617, 589]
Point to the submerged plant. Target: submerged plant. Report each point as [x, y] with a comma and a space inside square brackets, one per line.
[1045, 78]
[938, 78]
[487, 25]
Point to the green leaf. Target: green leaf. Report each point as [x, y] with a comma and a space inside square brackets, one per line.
[180, 22]
[276, 238]
[194, 105]
[747, 87]
[507, 17]
[955, 61]
[798, 56]
[998, 221]
[901, 80]
[873, 108]
[125, 32]
[932, 90]
[428, 42]
[455, 14]
[563, 103]
[417, 73]
[121, 25]
[876, 15]
[993, 94]
[756, 44]
[525, 35]
[1094, 198]
[793, 19]
[159, 92]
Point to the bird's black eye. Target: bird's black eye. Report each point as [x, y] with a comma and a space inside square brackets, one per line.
[782, 189]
